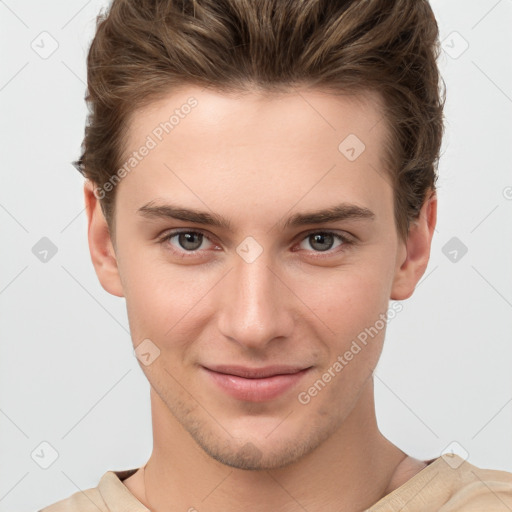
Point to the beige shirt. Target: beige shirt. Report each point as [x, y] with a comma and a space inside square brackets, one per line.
[447, 484]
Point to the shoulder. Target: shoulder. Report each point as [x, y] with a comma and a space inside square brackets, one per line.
[109, 493]
[450, 484]
[476, 489]
[89, 500]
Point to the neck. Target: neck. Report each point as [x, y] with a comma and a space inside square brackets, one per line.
[349, 471]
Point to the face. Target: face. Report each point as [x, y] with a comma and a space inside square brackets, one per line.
[227, 266]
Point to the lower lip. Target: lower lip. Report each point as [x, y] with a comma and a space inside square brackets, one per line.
[256, 390]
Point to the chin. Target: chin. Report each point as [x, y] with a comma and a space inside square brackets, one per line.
[250, 452]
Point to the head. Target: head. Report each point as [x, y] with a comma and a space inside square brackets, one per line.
[257, 116]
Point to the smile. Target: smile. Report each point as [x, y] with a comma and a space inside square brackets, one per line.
[255, 385]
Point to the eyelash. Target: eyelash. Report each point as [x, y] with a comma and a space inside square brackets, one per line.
[346, 242]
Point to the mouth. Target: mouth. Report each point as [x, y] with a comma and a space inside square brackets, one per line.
[255, 384]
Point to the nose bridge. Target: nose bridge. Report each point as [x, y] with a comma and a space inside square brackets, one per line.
[254, 307]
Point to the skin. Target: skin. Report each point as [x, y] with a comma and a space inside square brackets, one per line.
[257, 159]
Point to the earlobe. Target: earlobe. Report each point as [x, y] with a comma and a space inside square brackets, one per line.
[410, 269]
[100, 244]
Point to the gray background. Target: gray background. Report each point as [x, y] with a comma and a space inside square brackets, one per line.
[67, 370]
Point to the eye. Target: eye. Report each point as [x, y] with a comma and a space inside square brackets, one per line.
[324, 241]
[189, 243]
[184, 242]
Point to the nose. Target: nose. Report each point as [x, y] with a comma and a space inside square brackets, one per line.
[255, 304]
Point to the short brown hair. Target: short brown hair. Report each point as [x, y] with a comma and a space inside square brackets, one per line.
[143, 49]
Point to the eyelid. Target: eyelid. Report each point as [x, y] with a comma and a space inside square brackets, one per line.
[347, 242]
[347, 237]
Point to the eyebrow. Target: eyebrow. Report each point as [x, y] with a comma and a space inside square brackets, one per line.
[343, 211]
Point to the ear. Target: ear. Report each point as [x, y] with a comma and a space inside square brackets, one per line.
[417, 250]
[100, 244]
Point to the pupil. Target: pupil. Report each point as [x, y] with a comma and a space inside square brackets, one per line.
[321, 239]
[186, 239]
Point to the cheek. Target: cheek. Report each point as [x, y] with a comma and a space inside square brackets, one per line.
[347, 300]
[162, 301]
[352, 308]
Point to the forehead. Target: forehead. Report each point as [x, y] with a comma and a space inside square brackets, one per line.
[304, 113]
[304, 144]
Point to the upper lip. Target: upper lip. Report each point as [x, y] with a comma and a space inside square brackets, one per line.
[256, 373]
